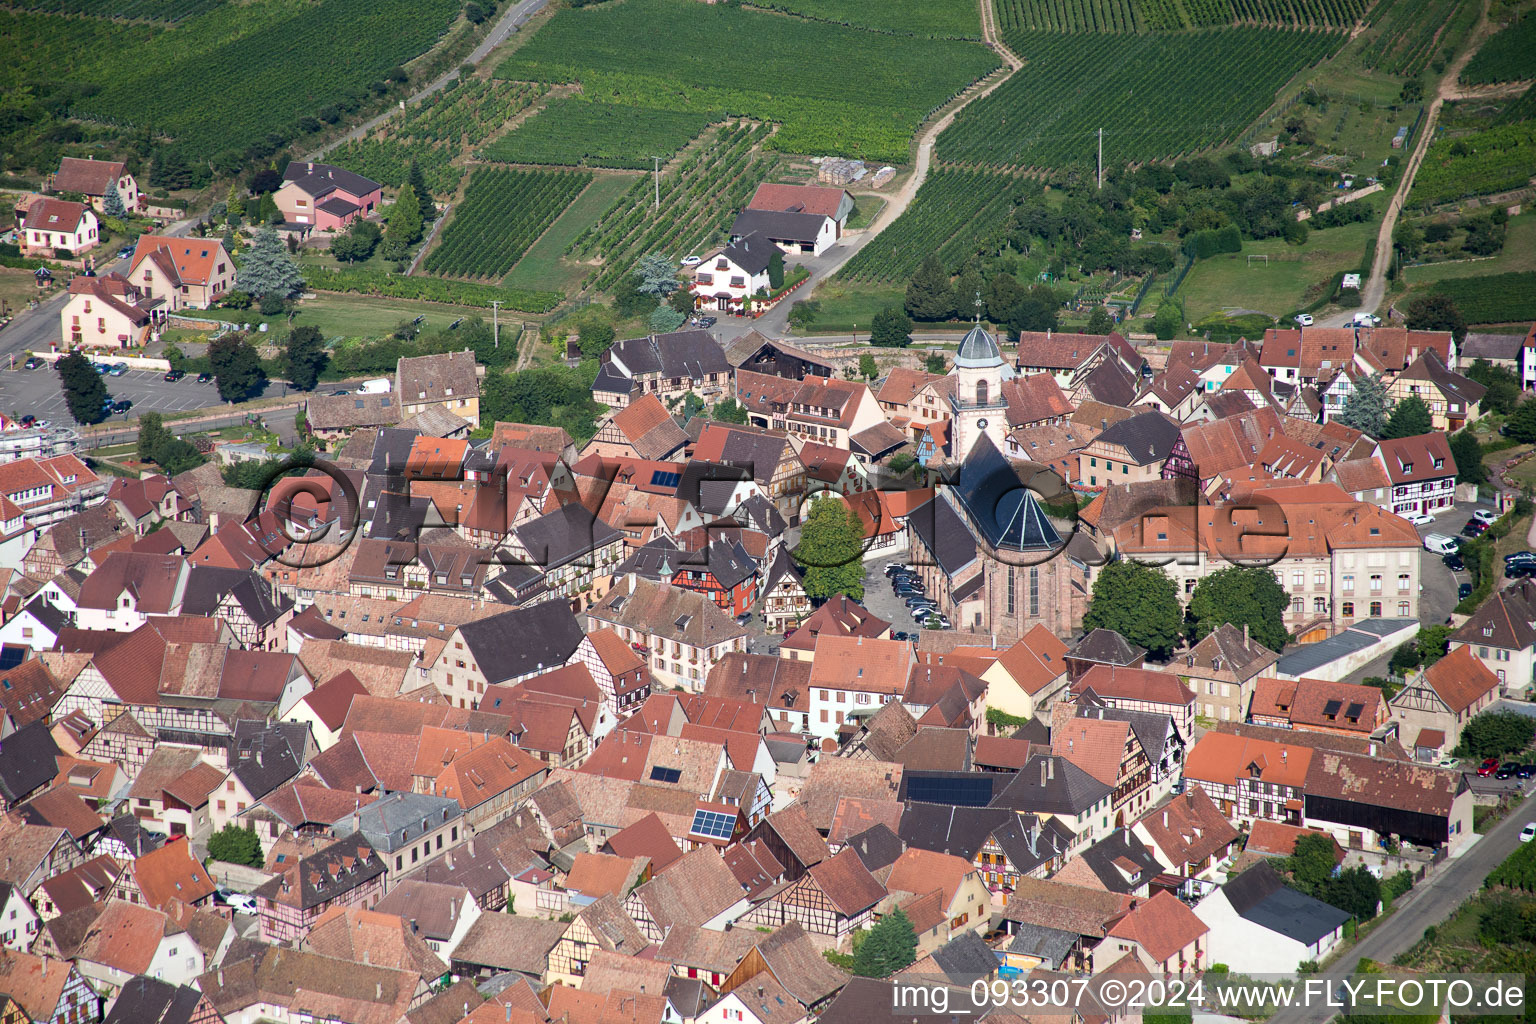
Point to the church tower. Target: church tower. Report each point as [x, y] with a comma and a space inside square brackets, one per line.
[977, 406]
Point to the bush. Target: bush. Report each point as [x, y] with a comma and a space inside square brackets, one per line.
[236, 845]
[272, 305]
[1496, 733]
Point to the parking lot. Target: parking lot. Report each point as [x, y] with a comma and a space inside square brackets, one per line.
[882, 600]
[37, 392]
[1440, 583]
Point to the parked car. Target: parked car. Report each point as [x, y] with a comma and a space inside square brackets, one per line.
[1454, 563]
[118, 369]
[1419, 518]
[1520, 556]
[122, 405]
[1463, 591]
[1520, 570]
[707, 321]
[103, 368]
[1506, 770]
[896, 567]
[1488, 767]
[175, 375]
[125, 252]
[32, 363]
[242, 903]
[1473, 528]
[1304, 319]
[921, 602]
[206, 378]
[28, 421]
[1526, 771]
[1485, 515]
[1529, 832]
[901, 634]
[1440, 544]
[43, 424]
[692, 261]
[1366, 320]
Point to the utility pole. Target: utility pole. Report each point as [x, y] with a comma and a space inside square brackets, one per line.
[656, 178]
[1101, 158]
[495, 323]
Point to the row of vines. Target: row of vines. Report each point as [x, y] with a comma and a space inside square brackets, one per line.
[371, 281]
[503, 213]
[165, 11]
[574, 132]
[1509, 56]
[1500, 158]
[698, 200]
[1173, 15]
[949, 217]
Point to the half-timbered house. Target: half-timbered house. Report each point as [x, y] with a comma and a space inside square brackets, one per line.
[834, 898]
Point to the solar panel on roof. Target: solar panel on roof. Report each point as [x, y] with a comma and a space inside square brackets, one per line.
[956, 791]
[660, 774]
[665, 478]
[10, 656]
[714, 824]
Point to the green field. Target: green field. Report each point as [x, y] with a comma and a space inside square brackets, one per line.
[503, 213]
[949, 215]
[1509, 56]
[1483, 162]
[699, 197]
[846, 308]
[227, 78]
[1155, 96]
[832, 88]
[543, 266]
[1519, 254]
[347, 316]
[1279, 287]
[941, 19]
[1493, 299]
[579, 133]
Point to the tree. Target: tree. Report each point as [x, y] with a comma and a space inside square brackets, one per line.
[1355, 891]
[729, 411]
[84, 391]
[1004, 293]
[656, 276]
[236, 367]
[665, 319]
[405, 220]
[802, 313]
[929, 296]
[1139, 602]
[1469, 458]
[152, 436]
[629, 300]
[1522, 423]
[891, 329]
[171, 170]
[418, 183]
[868, 368]
[682, 301]
[265, 181]
[357, 244]
[235, 845]
[1311, 863]
[887, 947]
[1366, 407]
[474, 12]
[267, 269]
[831, 549]
[1243, 596]
[594, 337]
[1495, 733]
[1436, 312]
[235, 204]
[112, 202]
[1168, 321]
[1503, 386]
[934, 362]
[1409, 418]
[1036, 311]
[776, 269]
[304, 357]
[1099, 321]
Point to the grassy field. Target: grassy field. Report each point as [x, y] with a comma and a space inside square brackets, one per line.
[1519, 254]
[542, 267]
[351, 316]
[865, 209]
[17, 288]
[1280, 287]
[847, 308]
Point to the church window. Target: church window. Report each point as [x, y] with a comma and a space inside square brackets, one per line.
[1010, 590]
[981, 392]
[1034, 590]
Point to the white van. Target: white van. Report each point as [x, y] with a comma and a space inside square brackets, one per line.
[377, 386]
[1440, 544]
[1367, 320]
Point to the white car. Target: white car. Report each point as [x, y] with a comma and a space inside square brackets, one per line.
[1482, 515]
[1418, 518]
[243, 903]
[1367, 320]
[1529, 832]
[1304, 319]
[692, 261]
[1440, 544]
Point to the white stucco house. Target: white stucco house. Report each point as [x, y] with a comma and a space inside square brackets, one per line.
[1259, 925]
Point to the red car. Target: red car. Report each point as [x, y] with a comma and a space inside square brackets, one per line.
[1488, 767]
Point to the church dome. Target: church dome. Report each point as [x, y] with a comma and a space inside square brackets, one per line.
[978, 349]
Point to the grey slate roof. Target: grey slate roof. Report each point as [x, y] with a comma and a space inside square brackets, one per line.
[1259, 895]
[1106, 647]
[682, 354]
[877, 847]
[1120, 844]
[1051, 784]
[942, 530]
[564, 535]
[207, 585]
[1148, 438]
[399, 819]
[1007, 514]
[778, 225]
[264, 755]
[524, 640]
[1481, 345]
[27, 761]
[151, 1001]
[966, 957]
[311, 176]
[1050, 944]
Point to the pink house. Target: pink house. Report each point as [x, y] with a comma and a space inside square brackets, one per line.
[54, 227]
[325, 197]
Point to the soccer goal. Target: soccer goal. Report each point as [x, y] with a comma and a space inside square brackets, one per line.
[1264, 257]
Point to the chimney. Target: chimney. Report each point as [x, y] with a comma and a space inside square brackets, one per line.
[221, 977]
[1372, 748]
[1042, 772]
[378, 986]
[1050, 767]
[45, 965]
[1245, 634]
[1165, 817]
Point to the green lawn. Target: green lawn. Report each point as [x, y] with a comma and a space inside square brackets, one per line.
[541, 268]
[865, 209]
[1230, 282]
[1519, 253]
[847, 308]
[347, 315]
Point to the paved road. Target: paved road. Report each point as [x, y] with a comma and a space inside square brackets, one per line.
[511, 20]
[1428, 903]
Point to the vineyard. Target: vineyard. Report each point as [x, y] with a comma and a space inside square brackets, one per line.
[1172, 15]
[230, 77]
[124, 10]
[579, 133]
[435, 132]
[1509, 56]
[47, 50]
[427, 289]
[834, 89]
[1047, 114]
[952, 213]
[1478, 164]
[1409, 30]
[1521, 108]
[698, 201]
[1495, 299]
[503, 213]
[938, 19]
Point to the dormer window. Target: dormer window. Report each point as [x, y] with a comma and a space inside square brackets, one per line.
[1439, 463]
